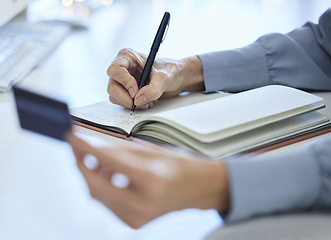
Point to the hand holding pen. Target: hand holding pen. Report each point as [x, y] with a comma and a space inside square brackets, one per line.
[151, 57]
[167, 77]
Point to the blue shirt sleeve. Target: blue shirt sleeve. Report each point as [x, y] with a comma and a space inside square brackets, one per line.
[301, 59]
[273, 183]
[288, 181]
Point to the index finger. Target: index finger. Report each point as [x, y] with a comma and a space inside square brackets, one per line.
[126, 62]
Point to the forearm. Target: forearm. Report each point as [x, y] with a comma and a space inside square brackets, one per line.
[299, 59]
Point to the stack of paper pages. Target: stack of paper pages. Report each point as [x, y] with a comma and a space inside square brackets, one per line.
[216, 125]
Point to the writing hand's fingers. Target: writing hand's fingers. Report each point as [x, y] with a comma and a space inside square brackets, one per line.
[120, 97]
[118, 94]
[124, 68]
[163, 80]
[120, 74]
[146, 95]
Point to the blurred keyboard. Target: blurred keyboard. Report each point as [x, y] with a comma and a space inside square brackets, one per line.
[24, 46]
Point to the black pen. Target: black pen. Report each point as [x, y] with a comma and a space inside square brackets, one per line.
[151, 57]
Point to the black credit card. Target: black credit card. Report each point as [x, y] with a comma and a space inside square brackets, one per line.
[42, 114]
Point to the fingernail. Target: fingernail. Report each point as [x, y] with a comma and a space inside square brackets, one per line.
[150, 105]
[141, 100]
[131, 92]
[90, 162]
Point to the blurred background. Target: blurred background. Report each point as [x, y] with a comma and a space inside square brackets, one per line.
[103, 27]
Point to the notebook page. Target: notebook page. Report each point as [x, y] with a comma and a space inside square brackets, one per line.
[266, 134]
[106, 113]
[240, 142]
[238, 109]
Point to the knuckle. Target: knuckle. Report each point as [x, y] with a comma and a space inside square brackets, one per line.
[125, 51]
[126, 82]
[154, 93]
[112, 70]
[94, 192]
[119, 75]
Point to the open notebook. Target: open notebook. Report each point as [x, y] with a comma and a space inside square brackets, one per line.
[216, 125]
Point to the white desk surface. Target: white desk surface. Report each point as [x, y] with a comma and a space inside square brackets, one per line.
[42, 194]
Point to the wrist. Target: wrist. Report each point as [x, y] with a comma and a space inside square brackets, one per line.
[217, 184]
[191, 74]
[210, 190]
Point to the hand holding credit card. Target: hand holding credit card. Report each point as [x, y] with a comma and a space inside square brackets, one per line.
[42, 114]
[50, 117]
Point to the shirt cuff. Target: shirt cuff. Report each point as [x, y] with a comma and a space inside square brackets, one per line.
[270, 183]
[235, 70]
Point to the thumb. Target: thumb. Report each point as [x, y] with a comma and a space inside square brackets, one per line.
[150, 92]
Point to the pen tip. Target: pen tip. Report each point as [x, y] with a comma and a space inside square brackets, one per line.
[131, 112]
